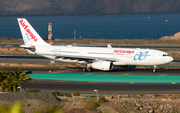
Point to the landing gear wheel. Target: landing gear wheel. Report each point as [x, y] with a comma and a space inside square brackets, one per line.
[84, 70]
[154, 70]
[89, 69]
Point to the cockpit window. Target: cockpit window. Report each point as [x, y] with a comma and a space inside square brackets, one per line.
[165, 55]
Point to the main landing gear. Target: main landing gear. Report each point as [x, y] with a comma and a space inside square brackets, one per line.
[87, 69]
[154, 70]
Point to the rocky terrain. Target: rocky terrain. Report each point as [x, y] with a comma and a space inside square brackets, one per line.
[175, 37]
[86, 7]
[46, 102]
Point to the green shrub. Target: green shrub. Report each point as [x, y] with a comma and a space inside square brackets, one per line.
[102, 100]
[67, 94]
[76, 94]
[134, 95]
[61, 94]
[33, 90]
[56, 93]
[157, 95]
[92, 96]
[128, 96]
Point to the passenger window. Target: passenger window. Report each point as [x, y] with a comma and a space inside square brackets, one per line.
[165, 55]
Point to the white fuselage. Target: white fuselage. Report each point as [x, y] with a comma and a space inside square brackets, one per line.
[119, 56]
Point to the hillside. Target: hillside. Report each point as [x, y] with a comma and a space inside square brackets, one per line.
[85, 7]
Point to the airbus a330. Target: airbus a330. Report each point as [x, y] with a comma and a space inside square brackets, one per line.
[100, 58]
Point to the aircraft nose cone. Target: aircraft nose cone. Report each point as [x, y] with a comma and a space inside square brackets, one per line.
[171, 59]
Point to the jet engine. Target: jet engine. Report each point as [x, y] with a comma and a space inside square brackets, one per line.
[102, 65]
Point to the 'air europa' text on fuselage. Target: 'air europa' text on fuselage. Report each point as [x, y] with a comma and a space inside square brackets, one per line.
[26, 28]
[123, 51]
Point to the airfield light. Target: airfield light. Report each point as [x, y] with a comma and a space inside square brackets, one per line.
[96, 93]
[19, 87]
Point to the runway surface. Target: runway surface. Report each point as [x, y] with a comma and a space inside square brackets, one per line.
[103, 87]
[123, 87]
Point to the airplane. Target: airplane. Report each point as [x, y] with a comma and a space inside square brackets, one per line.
[99, 58]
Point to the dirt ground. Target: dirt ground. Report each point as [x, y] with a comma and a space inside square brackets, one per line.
[81, 105]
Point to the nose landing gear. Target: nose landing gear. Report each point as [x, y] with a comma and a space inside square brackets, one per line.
[154, 70]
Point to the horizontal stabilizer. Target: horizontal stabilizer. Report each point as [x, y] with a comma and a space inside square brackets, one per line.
[29, 47]
[26, 46]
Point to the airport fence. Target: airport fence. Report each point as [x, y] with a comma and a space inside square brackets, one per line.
[72, 97]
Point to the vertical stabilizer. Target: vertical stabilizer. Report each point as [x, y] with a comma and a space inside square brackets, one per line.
[30, 36]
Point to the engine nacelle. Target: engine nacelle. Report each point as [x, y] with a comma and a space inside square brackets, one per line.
[102, 65]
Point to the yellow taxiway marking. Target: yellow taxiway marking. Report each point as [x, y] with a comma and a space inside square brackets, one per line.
[61, 81]
[92, 82]
[125, 74]
[88, 73]
[39, 79]
[55, 72]
[163, 75]
[173, 83]
[52, 72]
[131, 83]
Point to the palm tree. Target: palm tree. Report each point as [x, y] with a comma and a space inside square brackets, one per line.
[3, 78]
[7, 86]
[17, 76]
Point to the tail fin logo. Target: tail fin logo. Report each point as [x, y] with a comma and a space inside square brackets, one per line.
[26, 38]
[26, 28]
